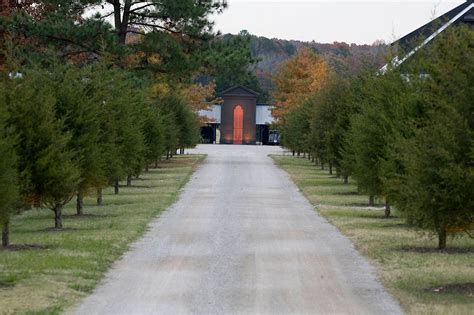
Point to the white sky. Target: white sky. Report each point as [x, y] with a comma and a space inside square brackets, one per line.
[328, 21]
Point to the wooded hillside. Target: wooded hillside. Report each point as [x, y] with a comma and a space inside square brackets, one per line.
[345, 59]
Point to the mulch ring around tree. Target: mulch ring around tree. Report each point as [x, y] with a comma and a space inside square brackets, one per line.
[456, 288]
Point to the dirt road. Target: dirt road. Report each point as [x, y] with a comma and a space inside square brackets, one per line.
[241, 239]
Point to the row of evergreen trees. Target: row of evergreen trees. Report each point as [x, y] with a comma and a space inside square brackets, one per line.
[67, 131]
[87, 101]
[406, 136]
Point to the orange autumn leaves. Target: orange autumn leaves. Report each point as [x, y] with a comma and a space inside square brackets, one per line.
[296, 80]
[198, 96]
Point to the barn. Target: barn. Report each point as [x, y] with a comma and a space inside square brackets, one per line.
[238, 120]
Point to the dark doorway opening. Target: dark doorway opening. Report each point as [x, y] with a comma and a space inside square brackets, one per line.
[207, 134]
[264, 134]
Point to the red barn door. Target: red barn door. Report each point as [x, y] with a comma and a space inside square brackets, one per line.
[238, 124]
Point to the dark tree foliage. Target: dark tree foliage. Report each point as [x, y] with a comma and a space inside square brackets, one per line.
[48, 173]
[406, 135]
[229, 61]
[81, 117]
[124, 108]
[181, 124]
[372, 129]
[8, 171]
[154, 135]
[295, 129]
[324, 142]
[433, 156]
[161, 36]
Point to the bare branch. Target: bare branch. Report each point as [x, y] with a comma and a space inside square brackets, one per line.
[140, 8]
[155, 26]
[107, 15]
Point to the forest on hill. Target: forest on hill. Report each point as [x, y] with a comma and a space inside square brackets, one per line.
[345, 59]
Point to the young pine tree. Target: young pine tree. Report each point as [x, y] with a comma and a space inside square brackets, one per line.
[371, 132]
[433, 187]
[80, 111]
[153, 136]
[8, 172]
[46, 164]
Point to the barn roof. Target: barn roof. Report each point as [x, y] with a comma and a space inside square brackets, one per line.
[239, 90]
[462, 14]
[412, 42]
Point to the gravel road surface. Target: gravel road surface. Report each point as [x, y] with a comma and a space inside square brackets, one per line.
[241, 239]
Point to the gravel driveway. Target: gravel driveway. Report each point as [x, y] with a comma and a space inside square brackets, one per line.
[241, 239]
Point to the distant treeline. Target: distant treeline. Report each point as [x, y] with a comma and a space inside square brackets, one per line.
[345, 59]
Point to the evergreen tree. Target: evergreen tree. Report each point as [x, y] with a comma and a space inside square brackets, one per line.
[47, 168]
[372, 130]
[296, 128]
[432, 185]
[181, 123]
[122, 118]
[153, 131]
[80, 111]
[323, 121]
[8, 171]
[349, 104]
[161, 36]
[228, 59]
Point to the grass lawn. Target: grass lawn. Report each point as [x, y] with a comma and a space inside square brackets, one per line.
[408, 264]
[48, 280]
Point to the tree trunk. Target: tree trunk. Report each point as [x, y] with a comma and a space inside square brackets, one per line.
[309, 156]
[129, 180]
[293, 152]
[346, 179]
[312, 159]
[330, 168]
[58, 217]
[442, 239]
[6, 233]
[99, 196]
[37, 202]
[80, 203]
[168, 155]
[304, 155]
[147, 168]
[371, 201]
[156, 164]
[116, 187]
[387, 208]
[124, 20]
[298, 154]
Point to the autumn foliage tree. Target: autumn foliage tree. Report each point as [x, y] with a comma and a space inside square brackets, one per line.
[296, 80]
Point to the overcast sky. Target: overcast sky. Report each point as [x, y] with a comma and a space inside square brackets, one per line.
[328, 21]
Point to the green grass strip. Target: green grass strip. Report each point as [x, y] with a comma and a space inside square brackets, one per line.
[424, 280]
[68, 264]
